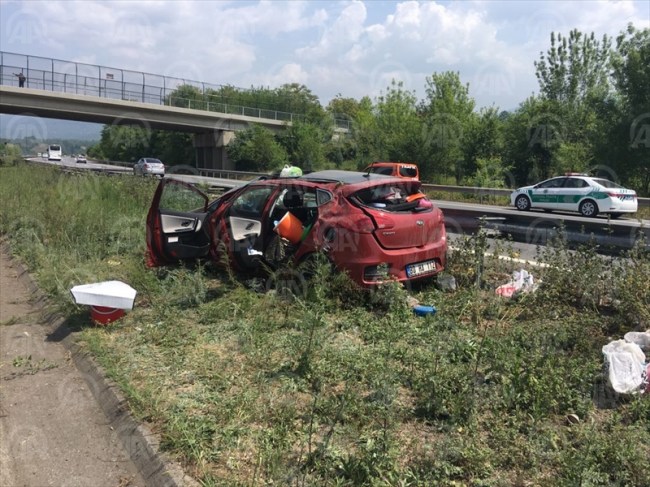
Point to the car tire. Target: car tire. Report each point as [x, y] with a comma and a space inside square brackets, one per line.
[588, 208]
[522, 203]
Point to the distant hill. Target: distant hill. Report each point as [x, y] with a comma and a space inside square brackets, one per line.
[19, 127]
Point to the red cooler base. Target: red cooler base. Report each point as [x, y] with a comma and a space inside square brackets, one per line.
[103, 315]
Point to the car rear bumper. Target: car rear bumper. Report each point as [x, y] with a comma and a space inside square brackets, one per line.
[611, 205]
[372, 264]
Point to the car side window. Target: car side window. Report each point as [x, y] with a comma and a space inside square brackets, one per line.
[251, 203]
[576, 183]
[387, 171]
[552, 183]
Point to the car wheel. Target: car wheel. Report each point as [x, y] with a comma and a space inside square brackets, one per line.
[588, 208]
[522, 203]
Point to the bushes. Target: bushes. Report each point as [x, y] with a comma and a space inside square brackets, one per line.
[322, 383]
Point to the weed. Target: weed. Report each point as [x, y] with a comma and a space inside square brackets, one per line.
[306, 379]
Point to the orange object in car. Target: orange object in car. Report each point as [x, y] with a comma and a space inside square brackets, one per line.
[415, 196]
[290, 227]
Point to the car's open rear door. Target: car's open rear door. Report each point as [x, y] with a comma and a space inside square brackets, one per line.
[177, 223]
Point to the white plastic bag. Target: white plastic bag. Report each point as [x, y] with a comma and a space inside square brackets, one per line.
[625, 366]
[522, 282]
[641, 338]
[289, 171]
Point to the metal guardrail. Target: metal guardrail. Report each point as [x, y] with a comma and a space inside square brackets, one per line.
[472, 190]
[485, 192]
[122, 84]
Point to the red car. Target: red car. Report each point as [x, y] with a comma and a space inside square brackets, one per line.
[374, 227]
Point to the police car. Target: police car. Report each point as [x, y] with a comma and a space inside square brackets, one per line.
[577, 192]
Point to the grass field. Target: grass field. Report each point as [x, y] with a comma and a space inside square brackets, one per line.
[278, 381]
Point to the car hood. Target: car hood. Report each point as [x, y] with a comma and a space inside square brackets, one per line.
[523, 189]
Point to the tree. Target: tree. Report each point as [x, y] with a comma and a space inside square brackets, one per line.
[398, 124]
[447, 111]
[255, 149]
[631, 135]
[186, 96]
[484, 139]
[574, 69]
[304, 144]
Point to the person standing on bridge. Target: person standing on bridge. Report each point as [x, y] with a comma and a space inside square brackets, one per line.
[21, 79]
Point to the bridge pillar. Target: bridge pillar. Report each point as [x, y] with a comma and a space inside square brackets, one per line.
[210, 149]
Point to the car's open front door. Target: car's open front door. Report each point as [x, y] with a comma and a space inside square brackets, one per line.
[177, 223]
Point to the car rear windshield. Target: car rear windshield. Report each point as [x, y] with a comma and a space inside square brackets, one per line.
[608, 184]
[391, 197]
[408, 171]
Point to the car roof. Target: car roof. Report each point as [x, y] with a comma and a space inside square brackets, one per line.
[347, 181]
[345, 177]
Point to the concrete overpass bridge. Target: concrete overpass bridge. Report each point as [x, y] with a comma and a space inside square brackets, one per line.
[81, 92]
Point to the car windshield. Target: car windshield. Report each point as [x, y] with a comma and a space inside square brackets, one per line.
[607, 183]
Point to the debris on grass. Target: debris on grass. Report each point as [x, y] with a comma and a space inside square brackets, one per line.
[522, 282]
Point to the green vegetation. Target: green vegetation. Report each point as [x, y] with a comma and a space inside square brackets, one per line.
[10, 154]
[277, 381]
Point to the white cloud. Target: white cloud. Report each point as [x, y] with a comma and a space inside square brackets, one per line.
[350, 47]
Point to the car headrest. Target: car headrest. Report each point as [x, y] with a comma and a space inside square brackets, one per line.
[292, 199]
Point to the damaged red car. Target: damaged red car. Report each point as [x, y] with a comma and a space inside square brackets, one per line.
[373, 227]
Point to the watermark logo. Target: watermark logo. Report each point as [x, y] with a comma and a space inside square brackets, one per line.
[542, 22]
[493, 79]
[538, 232]
[25, 126]
[383, 75]
[545, 130]
[130, 139]
[442, 131]
[288, 283]
[640, 132]
[184, 70]
[23, 27]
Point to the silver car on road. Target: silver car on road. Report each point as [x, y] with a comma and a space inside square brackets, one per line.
[149, 165]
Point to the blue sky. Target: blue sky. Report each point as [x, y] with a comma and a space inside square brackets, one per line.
[353, 48]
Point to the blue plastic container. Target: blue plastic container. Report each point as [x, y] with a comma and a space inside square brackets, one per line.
[421, 310]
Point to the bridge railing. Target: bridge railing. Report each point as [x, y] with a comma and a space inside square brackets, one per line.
[94, 80]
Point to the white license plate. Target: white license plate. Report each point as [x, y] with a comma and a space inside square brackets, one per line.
[414, 270]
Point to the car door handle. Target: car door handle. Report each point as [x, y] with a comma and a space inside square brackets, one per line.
[186, 223]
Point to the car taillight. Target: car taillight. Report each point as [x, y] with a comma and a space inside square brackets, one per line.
[620, 195]
[383, 221]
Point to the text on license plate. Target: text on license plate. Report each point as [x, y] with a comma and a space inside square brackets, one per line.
[420, 268]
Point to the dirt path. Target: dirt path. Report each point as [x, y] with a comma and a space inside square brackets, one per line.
[52, 431]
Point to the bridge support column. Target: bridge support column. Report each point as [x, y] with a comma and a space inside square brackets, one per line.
[210, 149]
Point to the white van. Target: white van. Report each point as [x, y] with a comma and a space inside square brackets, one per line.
[54, 152]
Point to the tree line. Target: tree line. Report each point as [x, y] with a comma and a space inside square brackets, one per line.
[592, 114]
